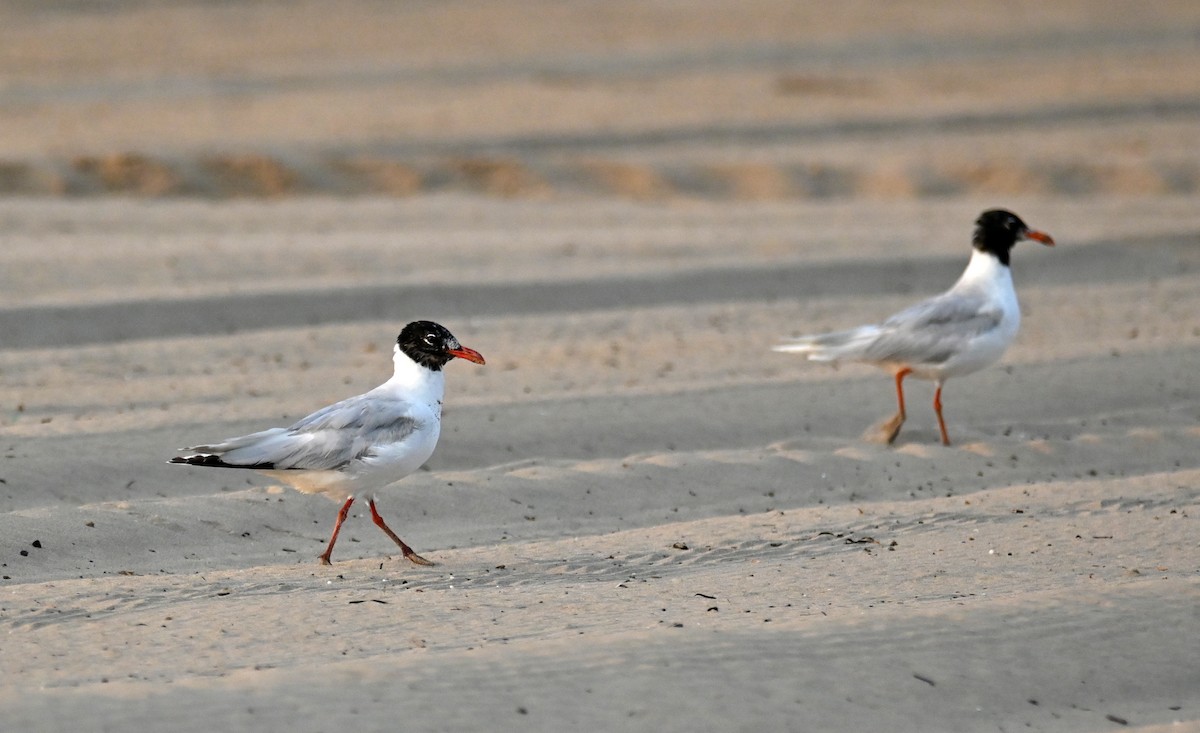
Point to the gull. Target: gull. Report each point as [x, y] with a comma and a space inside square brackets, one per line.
[959, 332]
[359, 444]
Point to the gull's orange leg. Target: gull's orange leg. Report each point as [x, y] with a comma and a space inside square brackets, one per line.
[891, 428]
[408, 551]
[937, 407]
[337, 527]
[900, 375]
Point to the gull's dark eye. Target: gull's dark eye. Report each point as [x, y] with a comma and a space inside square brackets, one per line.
[430, 339]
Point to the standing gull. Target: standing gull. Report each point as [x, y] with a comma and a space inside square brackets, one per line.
[961, 331]
[359, 444]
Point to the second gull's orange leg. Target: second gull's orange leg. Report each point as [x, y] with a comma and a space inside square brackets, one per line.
[937, 407]
[408, 551]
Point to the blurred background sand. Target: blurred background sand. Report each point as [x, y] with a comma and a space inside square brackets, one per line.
[215, 216]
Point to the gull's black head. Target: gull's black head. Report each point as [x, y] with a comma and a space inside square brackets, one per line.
[432, 346]
[996, 232]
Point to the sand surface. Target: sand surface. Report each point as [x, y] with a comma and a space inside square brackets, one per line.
[216, 217]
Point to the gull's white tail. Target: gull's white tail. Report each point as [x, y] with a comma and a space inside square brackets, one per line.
[842, 345]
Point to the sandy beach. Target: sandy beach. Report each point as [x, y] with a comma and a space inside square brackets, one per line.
[216, 217]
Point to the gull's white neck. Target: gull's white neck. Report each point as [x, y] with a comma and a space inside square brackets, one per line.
[985, 272]
[414, 379]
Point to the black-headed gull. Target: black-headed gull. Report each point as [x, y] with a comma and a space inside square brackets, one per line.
[359, 444]
[961, 331]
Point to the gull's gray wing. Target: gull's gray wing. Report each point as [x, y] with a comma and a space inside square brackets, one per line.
[933, 331]
[328, 439]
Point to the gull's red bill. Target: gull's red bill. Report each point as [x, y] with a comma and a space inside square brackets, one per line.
[1042, 237]
[463, 352]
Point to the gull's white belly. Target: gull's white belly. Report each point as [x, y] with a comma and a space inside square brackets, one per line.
[395, 461]
[981, 351]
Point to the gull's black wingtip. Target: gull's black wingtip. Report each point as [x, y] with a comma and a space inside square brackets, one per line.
[202, 459]
[208, 459]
